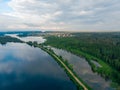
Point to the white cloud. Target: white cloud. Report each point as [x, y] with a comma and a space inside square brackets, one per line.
[82, 13]
[62, 14]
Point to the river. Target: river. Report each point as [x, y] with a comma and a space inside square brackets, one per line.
[23, 67]
[80, 66]
[38, 39]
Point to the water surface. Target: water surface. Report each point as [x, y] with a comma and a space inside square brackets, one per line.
[23, 67]
[83, 69]
[38, 39]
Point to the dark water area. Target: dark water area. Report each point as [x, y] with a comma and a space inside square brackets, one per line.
[83, 70]
[23, 67]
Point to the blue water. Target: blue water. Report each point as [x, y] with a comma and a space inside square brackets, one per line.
[23, 67]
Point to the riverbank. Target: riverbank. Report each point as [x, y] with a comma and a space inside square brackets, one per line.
[67, 67]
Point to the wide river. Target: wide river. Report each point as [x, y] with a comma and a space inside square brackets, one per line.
[27, 68]
[23, 67]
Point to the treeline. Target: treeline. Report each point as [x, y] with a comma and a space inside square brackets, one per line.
[104, 46]
[29, 33]
[5, 39]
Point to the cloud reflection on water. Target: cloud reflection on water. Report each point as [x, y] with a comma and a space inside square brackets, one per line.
[23, 67]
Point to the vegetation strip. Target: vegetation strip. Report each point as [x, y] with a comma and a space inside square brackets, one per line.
[69, 72]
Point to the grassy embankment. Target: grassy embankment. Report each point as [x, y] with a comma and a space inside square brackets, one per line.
[66, 66]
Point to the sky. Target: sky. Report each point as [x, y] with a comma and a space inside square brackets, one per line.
[60, 15]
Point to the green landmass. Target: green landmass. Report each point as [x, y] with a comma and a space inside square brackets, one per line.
[101, 47]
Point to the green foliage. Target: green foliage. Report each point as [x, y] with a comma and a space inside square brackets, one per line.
[102, 47]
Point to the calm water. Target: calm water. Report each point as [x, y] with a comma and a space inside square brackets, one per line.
[39, 39]
[83, 69]
[27, 68]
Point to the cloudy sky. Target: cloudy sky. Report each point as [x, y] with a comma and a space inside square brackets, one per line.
[78, 15]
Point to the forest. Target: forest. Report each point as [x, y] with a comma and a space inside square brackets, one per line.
[101, 47]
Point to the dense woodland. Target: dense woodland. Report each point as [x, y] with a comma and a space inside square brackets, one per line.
[102, 46]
